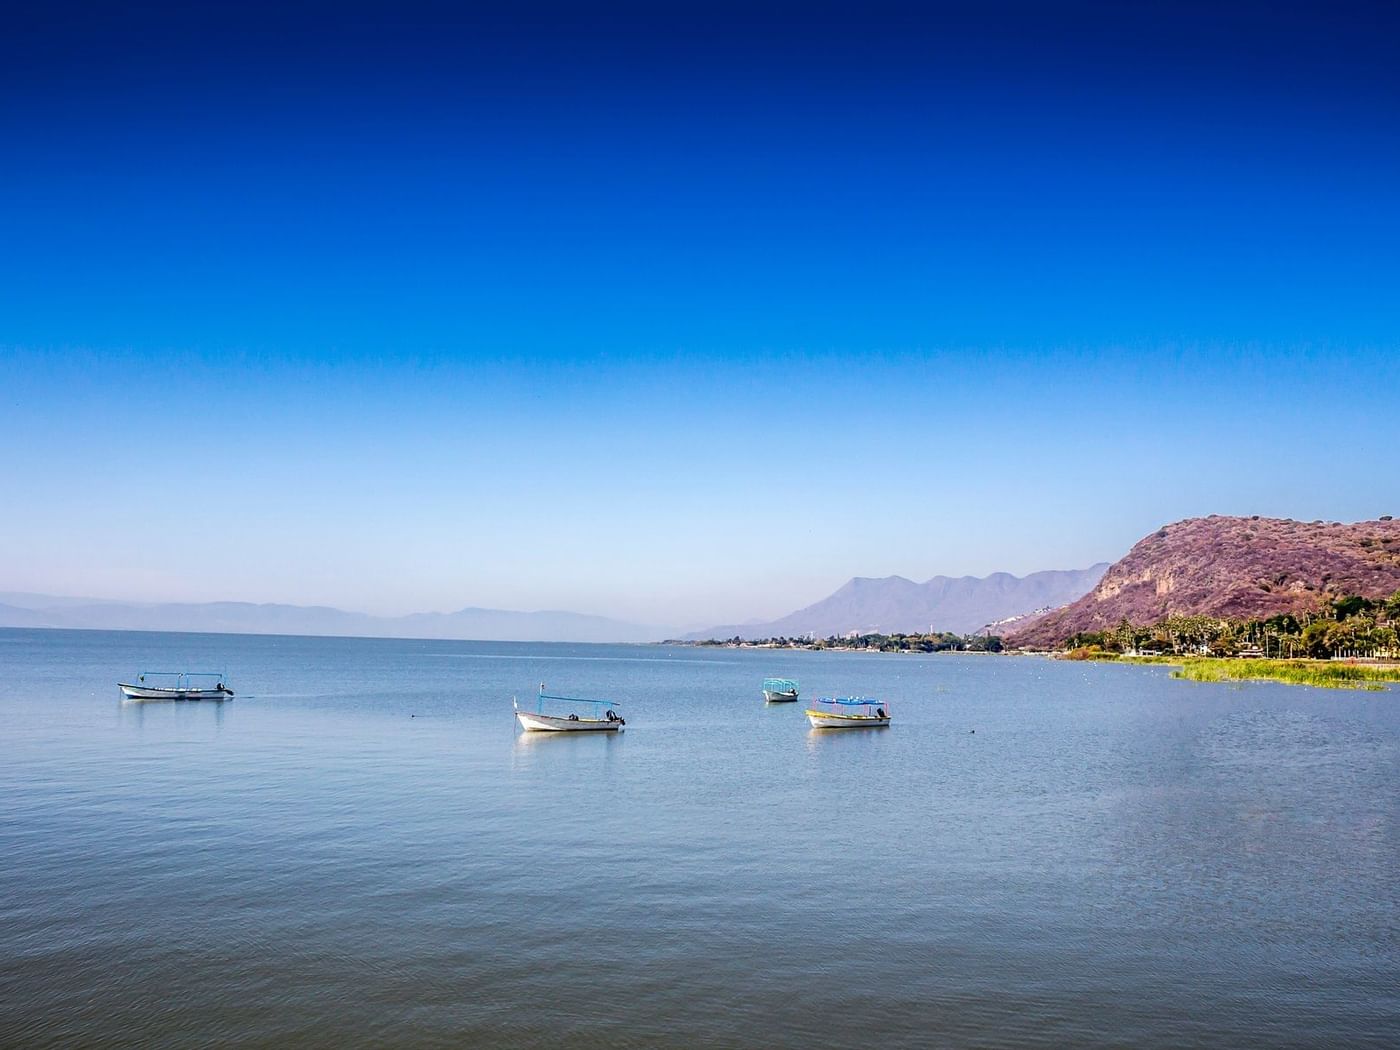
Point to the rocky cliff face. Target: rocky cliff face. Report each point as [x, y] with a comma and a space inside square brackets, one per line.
[1231, 567]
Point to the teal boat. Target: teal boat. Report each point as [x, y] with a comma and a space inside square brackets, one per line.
[779, 690]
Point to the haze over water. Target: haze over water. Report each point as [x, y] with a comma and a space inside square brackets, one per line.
[361, 849]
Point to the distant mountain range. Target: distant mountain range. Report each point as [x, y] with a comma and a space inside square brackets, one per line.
[1215, 566]
[39, 610]
[894, 604]
[1230, 567]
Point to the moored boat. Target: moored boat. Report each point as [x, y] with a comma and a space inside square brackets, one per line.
[177, 685]
[779, 690]
[848, 712]
[586, 716]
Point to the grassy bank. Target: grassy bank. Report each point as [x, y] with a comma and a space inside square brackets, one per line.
[1324, 673]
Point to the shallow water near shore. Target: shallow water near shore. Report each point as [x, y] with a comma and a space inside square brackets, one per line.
[362, 849]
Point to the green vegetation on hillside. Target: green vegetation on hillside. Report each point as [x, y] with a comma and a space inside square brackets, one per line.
[1347, 626]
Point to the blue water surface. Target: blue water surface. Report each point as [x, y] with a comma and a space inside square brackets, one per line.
[363, 850]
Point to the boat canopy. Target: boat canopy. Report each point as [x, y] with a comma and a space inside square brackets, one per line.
[542, 696]
[177, 675]
[780, 685]
[850, 701]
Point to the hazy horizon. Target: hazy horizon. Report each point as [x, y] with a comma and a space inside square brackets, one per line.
[39, 599]
[681, 317]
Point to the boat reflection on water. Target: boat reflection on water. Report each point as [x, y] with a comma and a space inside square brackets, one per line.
[526, 740]
[167, 716]
[543, 754]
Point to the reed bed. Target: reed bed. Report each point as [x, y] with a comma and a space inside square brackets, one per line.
[1321, 673]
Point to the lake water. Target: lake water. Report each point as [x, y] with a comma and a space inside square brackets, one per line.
[362, 850]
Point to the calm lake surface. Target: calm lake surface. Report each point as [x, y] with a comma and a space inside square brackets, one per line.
[361, 849]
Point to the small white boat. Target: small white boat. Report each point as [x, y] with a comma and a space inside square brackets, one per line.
[177, 685]
[779, 690]
[848, 712]
[589, 716]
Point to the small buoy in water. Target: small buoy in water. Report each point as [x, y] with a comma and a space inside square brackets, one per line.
[972, 730]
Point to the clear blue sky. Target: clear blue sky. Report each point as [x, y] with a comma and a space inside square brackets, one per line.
[681, 315]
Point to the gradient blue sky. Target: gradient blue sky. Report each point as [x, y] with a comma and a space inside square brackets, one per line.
[681, 314]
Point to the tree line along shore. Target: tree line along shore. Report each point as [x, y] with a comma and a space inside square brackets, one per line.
[1345, 642]
[1347, 626]
[869, 642]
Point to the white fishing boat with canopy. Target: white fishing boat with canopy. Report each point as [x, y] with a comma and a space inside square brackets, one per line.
[569, 714]
[177, 685]
[779, 690]
[848, 712]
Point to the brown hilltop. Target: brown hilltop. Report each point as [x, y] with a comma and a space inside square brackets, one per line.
[1230, 567]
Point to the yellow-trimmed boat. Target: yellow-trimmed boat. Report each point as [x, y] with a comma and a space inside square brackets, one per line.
[848, 712]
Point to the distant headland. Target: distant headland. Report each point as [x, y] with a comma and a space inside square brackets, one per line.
[1233, 571]
[1313, 603]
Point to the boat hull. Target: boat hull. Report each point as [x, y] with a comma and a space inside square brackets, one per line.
[773, 696]
[551, 724]
[144, 692]
[822, 720]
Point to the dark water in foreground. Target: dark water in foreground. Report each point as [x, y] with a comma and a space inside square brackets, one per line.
[361, 850]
